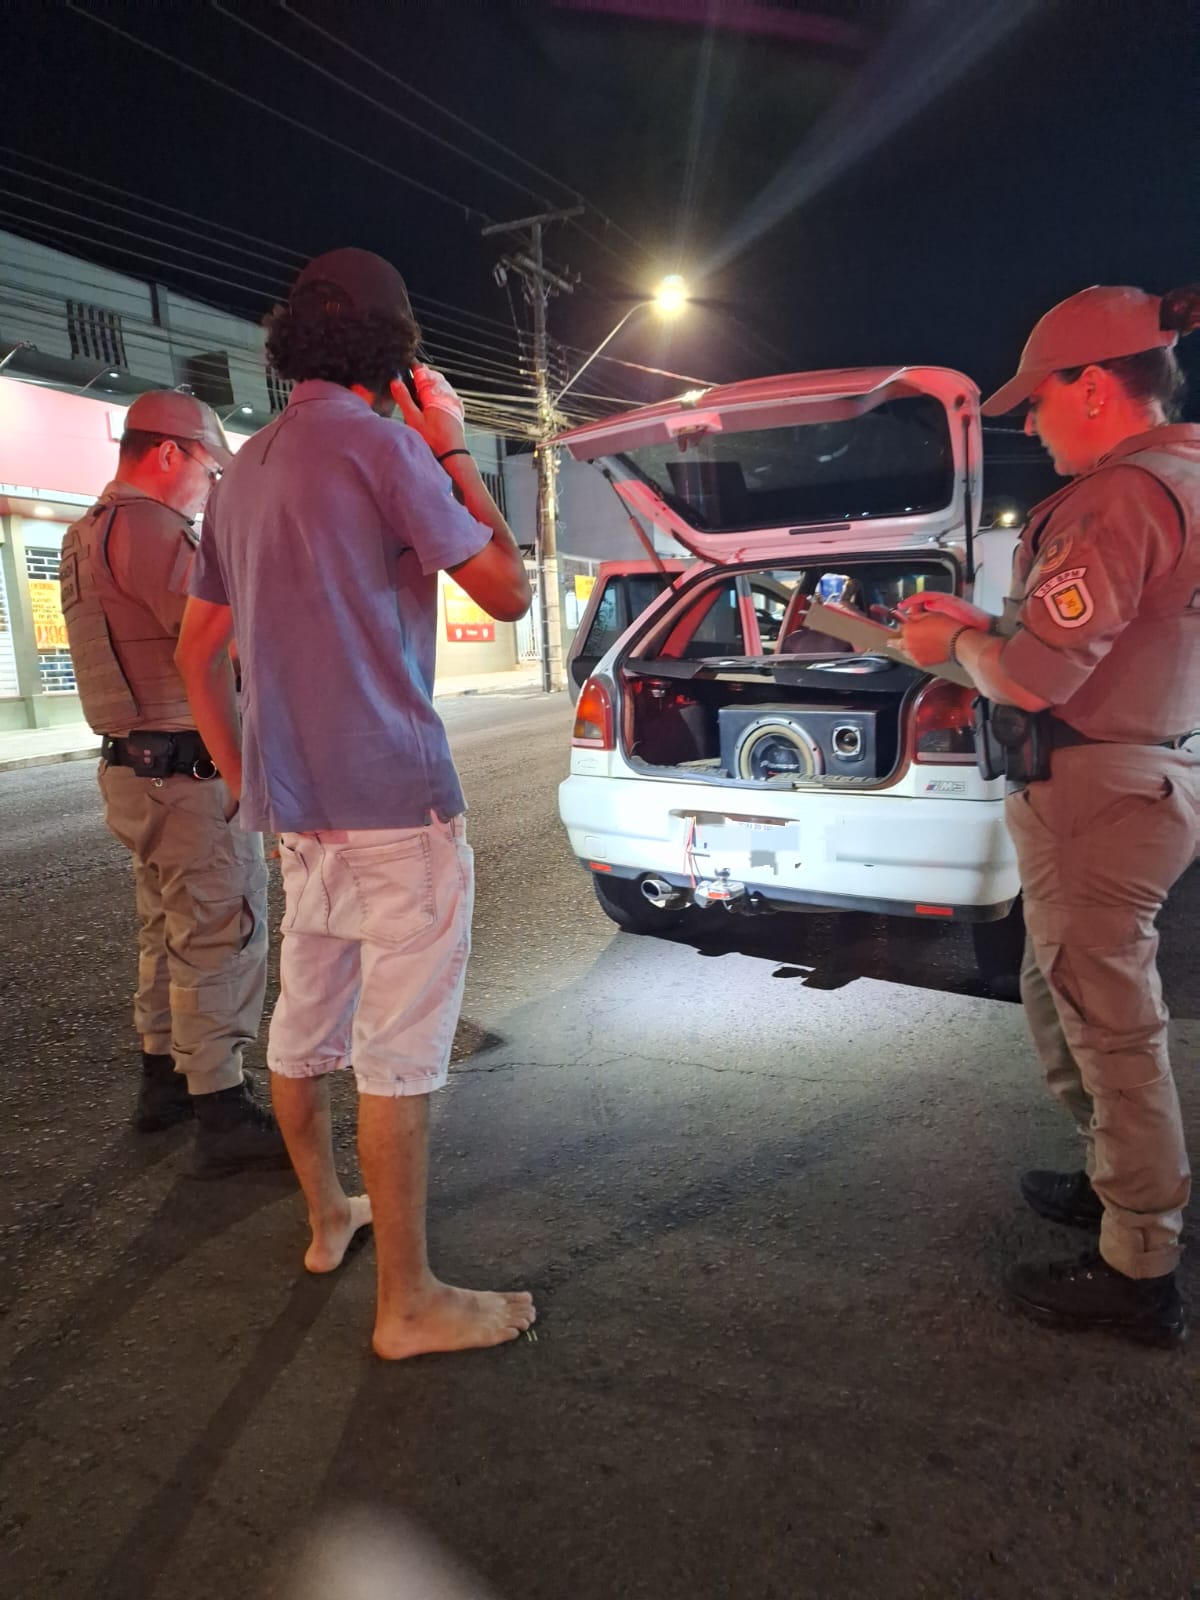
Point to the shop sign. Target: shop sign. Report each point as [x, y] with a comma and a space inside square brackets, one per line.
[49, 624]
[466, 622]
[585, 582]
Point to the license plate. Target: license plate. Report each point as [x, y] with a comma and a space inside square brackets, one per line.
[752, 848]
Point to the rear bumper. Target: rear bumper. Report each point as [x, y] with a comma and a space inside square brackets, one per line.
[888, 853]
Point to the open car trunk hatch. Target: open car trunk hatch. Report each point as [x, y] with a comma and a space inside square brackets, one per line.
[860, 459]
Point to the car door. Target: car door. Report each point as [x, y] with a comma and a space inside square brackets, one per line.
[622, 591]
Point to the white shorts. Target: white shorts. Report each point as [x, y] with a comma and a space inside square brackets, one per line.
[376, 935]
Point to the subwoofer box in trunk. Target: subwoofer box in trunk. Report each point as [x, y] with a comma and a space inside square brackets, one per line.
[785, 741]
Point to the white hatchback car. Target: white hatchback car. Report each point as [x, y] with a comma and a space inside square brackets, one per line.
[723, 755]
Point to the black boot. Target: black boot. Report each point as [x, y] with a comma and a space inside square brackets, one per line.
[163, 1099]
[1066, 1197]
[1088, 1293]
[235, 1135]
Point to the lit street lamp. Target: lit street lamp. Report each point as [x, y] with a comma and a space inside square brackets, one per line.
[105, 372]
[669, 299]
[21, 344]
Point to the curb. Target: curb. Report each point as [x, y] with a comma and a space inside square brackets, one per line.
[52, 758]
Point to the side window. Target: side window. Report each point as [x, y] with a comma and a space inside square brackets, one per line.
[769, 607]
[642, 589]
[719, 630]
[606, 625]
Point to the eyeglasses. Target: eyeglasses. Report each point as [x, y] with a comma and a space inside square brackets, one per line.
[214, 473]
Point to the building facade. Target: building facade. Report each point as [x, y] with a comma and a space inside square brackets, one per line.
[78, 343]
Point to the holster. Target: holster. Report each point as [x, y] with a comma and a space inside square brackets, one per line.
[159, 755]
[1011, 743]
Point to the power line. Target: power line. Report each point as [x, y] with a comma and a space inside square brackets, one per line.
[471, 127]
[142, 255]
[130, 211]
[441, 329]
[143, 201]
[491, 409]
[638, 366]
[154, 221]
[207, 222]
[283, 116]
[511, 360]
[389, 111]
[51, 315]
[133, 233]
[428, 299]
[79, 280]
[250, 360]
[425, 99]
[472, 337]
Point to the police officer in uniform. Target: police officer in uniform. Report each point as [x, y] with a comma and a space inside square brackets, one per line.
[200, 880]
[1099, 652]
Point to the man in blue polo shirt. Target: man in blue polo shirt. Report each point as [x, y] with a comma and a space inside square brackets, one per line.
[321, 550]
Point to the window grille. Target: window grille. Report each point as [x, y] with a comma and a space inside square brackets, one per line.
[96, 334]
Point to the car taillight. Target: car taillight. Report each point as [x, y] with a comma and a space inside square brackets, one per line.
[944, 724]
[594, 727]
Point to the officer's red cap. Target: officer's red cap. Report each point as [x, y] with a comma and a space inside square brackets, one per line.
[1097, 324]
[365, 282]
[179, 416]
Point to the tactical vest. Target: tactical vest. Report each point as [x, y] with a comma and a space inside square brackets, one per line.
[124, 659]
[1148, 686]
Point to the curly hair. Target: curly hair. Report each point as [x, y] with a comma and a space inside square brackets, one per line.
[318, 334]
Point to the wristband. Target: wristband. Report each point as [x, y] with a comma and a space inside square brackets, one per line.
[951, 652]
[446, 454]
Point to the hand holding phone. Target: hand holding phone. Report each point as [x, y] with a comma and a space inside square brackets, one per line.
[436, 412]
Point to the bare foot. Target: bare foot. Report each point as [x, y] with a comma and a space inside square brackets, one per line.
[330, 1242]
[442, 1318]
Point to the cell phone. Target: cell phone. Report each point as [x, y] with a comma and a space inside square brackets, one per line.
[410, 383]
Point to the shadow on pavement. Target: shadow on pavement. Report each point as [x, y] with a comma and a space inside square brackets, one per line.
[190, 1215]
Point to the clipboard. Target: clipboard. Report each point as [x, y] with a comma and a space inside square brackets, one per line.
[873, 638]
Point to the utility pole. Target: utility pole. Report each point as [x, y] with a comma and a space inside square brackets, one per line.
[540, 283]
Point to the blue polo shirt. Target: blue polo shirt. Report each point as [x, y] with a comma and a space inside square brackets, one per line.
[325, 536]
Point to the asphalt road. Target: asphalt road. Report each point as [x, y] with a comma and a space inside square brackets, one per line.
[760, 1177]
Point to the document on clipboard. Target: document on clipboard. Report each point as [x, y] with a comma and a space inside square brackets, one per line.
[872, 638]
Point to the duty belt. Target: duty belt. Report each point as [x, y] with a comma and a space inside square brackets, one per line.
[1065, 737]
[159, 755]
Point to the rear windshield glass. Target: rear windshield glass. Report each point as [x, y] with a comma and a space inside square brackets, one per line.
[893, 461]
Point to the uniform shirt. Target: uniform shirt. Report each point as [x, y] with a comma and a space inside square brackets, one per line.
[1105, 611]
[325, 536]
[149, 550]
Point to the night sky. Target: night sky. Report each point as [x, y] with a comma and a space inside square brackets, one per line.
[1065, 154]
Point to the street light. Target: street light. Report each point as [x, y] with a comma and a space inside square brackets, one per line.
[245, 411]
[107, 372]
[21, 344]
[669, 299]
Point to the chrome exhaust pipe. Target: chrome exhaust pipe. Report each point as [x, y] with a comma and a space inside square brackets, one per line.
[664, 896]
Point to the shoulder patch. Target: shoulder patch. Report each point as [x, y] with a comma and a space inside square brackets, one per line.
[1056, 552]
[1068, 598]
[1043, 589]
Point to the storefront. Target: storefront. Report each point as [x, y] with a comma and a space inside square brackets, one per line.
[57, 451]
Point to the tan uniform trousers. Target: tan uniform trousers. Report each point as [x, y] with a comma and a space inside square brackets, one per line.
[201, 886]
[1099, 846]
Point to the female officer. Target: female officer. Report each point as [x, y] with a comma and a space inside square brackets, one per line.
[1101, 639]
